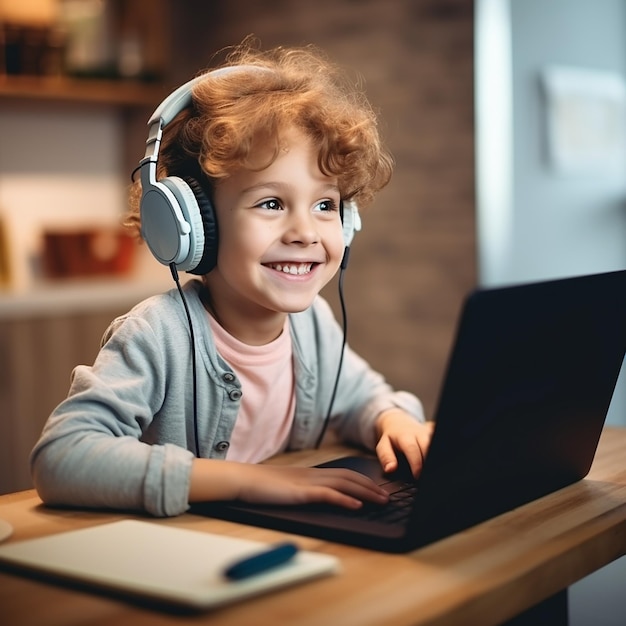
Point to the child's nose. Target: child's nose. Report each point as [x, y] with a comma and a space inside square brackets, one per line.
[302, 228]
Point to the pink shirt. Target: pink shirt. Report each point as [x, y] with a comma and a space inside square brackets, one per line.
[268, 401]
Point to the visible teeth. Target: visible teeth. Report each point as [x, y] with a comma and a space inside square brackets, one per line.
[292, 268]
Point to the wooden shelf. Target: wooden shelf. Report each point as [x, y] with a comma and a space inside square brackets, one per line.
[72, 297]
[65, 89]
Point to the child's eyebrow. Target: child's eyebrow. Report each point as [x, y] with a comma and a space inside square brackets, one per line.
[277, 186]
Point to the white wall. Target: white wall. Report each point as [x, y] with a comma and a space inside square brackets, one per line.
[563, 223]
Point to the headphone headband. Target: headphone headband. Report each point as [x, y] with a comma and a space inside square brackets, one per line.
[180, 98]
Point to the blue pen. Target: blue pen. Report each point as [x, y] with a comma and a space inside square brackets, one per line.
[261, 561]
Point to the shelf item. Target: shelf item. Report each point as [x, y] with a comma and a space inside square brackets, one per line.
[86, 51]
[88, 252]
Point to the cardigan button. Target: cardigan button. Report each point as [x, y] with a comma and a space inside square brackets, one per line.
[222, 446]
[234, 394]
[228, 377]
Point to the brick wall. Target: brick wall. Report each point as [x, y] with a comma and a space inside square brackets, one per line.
[415, 259]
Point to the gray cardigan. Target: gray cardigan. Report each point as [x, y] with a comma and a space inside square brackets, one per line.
[124, 437]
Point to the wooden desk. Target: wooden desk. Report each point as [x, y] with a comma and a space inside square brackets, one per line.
[482, 576]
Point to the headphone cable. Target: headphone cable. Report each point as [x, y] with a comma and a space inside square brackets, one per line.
[174, 272]
[342, 302]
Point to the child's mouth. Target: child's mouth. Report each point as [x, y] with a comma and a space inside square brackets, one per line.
[296, 269]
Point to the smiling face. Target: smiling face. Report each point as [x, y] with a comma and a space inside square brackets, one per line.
[280, 240]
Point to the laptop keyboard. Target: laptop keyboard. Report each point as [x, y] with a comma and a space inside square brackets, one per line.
[398, 509]
[400, 485]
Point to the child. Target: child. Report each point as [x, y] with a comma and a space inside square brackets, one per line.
[188, 394]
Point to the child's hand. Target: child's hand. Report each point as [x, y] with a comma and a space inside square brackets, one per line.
[399, 432]
[303, 485]
[273, 484]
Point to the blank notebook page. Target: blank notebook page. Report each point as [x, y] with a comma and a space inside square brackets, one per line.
[172, 565]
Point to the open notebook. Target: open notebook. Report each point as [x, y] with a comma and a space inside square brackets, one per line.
[167, 564]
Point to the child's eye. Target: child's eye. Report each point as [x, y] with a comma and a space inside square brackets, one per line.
[272, 205]
[326, 206]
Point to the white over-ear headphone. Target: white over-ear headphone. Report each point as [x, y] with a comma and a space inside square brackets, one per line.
[178, 221]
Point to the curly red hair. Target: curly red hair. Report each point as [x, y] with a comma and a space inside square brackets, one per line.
[216, 134]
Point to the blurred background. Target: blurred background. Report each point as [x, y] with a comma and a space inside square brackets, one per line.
[506, 119]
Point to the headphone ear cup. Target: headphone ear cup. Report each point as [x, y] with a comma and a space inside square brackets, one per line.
[170, 222]
[208, 219]
[188, 205]
[350, 221]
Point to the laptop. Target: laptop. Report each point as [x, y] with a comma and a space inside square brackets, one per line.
[528, 385]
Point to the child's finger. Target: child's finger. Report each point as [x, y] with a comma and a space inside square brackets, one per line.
[386, 455]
